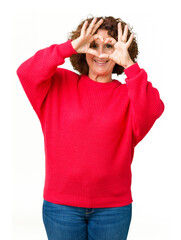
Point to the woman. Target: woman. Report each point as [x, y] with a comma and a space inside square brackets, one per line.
[91, 124]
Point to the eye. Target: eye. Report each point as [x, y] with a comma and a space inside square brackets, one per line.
[93, 45]
[109, 46]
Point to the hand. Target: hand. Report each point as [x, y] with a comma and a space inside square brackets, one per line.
[82, 43]
[120, 55]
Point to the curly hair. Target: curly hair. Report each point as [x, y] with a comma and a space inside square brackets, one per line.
[110, 24]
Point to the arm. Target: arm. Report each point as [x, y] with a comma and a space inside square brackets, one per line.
[36, 73]
[146, 105]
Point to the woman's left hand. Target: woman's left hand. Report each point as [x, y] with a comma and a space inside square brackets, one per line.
[120, 54]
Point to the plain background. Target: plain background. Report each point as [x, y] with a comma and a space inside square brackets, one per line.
[26, 27]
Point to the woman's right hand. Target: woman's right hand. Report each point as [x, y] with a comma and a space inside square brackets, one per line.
[82, 43]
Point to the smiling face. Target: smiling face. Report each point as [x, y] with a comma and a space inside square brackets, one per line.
[97, 66]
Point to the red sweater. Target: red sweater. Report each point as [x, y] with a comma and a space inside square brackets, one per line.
[90, 128]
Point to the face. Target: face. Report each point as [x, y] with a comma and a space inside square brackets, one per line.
[101, 66]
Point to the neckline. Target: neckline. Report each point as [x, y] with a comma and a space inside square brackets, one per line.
[99, 84]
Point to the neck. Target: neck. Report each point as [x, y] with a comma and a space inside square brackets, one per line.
[100, 78]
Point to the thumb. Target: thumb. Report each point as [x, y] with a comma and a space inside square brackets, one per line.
[104, 55]
[93, 52]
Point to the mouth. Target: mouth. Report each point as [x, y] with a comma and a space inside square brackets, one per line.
[100, 62]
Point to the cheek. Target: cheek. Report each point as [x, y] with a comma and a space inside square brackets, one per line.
[112, 63]
[109, 50]
[88, 58]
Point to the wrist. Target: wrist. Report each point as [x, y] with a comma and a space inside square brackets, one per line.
[74, 44]
[132, 70]
[128, 64]
[65, 49]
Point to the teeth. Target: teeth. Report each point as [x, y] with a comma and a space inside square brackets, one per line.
[100, 62]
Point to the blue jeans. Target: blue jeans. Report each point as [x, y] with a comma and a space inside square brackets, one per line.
[64, 222]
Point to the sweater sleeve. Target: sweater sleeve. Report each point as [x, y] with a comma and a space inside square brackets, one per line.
[146, 105]
[36, 73]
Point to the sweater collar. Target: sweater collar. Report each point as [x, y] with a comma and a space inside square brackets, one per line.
[89, 81]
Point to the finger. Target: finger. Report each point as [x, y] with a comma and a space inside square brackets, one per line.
[119, 32]
[104, 55]
[93, 52]
[84, 27]
[89, 30]
[110, 40]
[97, 36]
[124, 38]
[130, 40]
[98, 24]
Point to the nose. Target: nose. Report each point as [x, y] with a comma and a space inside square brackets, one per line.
[101, 50]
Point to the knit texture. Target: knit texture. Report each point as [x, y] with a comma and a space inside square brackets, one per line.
[90, 128]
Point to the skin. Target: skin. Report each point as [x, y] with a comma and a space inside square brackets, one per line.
[100, 51]
[100, 72]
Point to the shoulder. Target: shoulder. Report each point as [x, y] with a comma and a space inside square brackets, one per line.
[63, 75]
[63, 72]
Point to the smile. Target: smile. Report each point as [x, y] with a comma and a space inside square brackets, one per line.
[100, 63]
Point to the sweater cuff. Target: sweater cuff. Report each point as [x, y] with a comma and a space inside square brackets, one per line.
[132, 70]
[66, 49]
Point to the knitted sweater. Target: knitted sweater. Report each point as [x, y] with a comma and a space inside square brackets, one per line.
[90, 128]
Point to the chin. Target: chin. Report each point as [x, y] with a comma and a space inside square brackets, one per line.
[102, 72]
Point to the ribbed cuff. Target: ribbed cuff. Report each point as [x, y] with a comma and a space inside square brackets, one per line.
[66, 49]
[132, 70]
